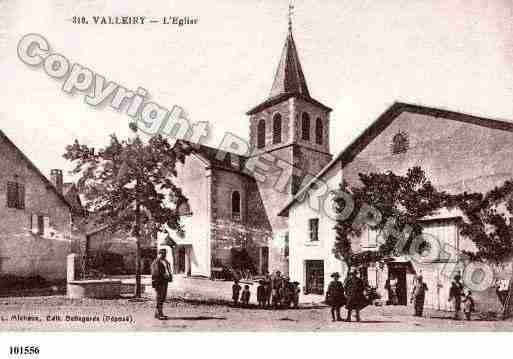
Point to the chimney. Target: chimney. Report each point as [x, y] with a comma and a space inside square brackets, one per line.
[56, 178]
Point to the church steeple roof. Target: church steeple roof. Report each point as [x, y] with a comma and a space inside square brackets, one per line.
[289, 77]
[289, 80]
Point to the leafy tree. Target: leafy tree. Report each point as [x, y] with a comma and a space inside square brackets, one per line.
[487, 222]
[385, 199]
[128, 186]
[486, 219]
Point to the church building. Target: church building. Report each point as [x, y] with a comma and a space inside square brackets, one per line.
[458, 152]
[233, 217]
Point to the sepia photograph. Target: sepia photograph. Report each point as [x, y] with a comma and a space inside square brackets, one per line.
[255, 166]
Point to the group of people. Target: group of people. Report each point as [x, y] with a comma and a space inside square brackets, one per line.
[502, 290]
[277, 291]
[462, 298]
[351, 294]
[274, 291]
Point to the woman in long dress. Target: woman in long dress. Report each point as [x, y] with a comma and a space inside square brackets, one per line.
[356, 300]
[418, 295]
[335, 297]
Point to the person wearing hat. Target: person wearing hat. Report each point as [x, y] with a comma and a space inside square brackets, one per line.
[268, 290]
[161, 275]
[295, 294]
[468, 305]
[276, 289]
[418, 295]
[236, 291]
[335, 297]
[356, 300]
[456, 293]
[261, 294]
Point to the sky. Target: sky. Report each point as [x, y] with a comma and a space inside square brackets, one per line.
[359, 57]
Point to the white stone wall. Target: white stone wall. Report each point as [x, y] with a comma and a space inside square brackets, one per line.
[301, 248]
[193, 178]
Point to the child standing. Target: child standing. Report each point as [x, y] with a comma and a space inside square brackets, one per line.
[268, 291]
[261, 292]
[295, 294]
[246, 294]
[468, 306]
[235, 291]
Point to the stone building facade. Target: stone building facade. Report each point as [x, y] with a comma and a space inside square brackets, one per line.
[35, 218]
[230, 209]
[458, 153]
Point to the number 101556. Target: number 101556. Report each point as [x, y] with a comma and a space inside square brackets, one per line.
[23, 350]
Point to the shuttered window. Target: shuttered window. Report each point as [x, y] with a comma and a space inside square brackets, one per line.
[313, 227]
[12, 194]
[40, 224]
[305, 127]
[318, 131]
[21, 196]
[277, 129]
[15, 195]
[261, 134]
[236, 205]
[33, 225]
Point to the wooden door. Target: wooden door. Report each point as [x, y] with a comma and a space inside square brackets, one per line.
[314, 283]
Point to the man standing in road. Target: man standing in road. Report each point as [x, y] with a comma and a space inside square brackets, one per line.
[456, 294]
[160, 277]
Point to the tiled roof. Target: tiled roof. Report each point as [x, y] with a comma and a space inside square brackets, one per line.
[381, 123]
[220, 159]
[289, 80]
[39, 173]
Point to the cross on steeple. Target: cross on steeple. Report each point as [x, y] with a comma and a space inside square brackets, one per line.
[291, 9]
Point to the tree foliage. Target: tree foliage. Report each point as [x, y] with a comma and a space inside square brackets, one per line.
[128, 186]
[487, 222]
[404, 200]
[112, 178]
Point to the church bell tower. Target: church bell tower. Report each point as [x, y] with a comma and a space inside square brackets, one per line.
[293, 128]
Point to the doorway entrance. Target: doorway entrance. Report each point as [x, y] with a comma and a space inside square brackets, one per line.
[314, 273]
[264, 260]
[398, 271]
[182, 262]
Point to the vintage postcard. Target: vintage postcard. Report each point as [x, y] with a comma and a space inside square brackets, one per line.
[270, 166]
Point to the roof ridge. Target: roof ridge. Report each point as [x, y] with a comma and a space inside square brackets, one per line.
[381, 123]
[37, 170]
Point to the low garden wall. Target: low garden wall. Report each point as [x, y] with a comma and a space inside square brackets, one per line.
[95, 288]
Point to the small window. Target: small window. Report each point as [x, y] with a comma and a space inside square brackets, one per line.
[40, 224]
[236, 205]
[305, 127]
[313, 228]
[296, 184]
[15, 195]
[400, 143]
[369, 238]
[277, 129]
[318, 131]
[261, 134]
[286, 246]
